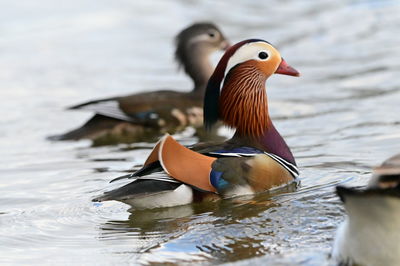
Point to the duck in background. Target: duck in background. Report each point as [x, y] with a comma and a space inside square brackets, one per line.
[145, 116]
[255, 159]
[371, 232]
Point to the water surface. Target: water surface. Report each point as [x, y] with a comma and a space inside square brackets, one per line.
[340, 119]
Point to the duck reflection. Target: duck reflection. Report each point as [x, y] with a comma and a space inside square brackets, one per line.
[163, 221]
[223, 230]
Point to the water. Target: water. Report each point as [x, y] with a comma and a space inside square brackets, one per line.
[340, 118]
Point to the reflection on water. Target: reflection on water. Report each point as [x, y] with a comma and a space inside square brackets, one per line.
[232, 240]
[223, 231]
[340, 118]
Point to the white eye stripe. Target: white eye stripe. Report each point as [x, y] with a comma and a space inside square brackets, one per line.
[204, 37]
[212, 33]
[249, 51]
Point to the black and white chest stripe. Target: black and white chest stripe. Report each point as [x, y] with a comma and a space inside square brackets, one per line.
[291, 168]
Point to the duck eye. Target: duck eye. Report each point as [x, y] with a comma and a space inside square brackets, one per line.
[262, 55]
[211, 34]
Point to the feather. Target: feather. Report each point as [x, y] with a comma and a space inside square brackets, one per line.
[211, 99]
[136, 188]
[243, 101]
[108, 108]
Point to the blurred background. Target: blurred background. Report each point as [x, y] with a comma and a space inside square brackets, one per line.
[341, 117]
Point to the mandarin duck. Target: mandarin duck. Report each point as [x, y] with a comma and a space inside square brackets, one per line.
[255, 159]
[143, 116]
[371, 231]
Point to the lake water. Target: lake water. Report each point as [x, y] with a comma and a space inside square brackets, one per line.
[340, 119]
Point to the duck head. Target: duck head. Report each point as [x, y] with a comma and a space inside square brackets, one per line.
[236, 91]
[194, 45]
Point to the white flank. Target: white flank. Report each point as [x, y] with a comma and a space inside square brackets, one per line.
[180, 196]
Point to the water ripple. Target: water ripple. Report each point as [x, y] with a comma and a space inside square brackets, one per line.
[340, 118]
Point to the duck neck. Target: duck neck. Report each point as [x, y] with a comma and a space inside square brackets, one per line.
[197, 65]
[243, 101]
[273, 142]
[244, 106]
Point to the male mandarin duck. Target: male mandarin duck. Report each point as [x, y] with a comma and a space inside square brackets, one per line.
[370, 234]
[255, 159]
[136, 117]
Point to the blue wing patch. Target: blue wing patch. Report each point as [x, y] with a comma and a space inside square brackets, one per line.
[217, 181]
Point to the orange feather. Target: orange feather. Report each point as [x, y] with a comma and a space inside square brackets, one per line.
[243, 102]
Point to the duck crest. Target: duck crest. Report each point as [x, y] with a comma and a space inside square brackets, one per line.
[211, 99]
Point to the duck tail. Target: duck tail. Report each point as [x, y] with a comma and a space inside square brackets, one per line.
[94, 127]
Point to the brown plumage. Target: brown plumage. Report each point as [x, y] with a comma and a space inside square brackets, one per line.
[256, 159]
[243, 101]
[147, 115]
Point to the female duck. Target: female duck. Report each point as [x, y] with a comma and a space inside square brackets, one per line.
[371, 232]
[143, 116]
[255, 159]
